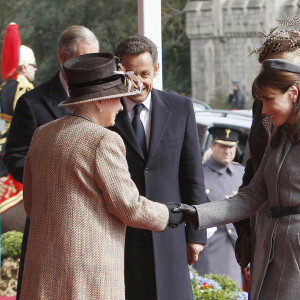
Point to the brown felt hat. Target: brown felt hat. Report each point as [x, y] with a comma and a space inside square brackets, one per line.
[93, 77]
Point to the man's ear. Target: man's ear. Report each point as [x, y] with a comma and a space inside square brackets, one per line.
[62, 58]
[23, 69]
[156, 70]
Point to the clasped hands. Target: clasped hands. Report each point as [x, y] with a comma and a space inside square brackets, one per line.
[179, 212]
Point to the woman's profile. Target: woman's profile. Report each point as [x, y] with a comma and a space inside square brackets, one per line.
[275, 271]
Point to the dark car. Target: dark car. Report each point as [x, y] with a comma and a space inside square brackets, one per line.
[233, 119]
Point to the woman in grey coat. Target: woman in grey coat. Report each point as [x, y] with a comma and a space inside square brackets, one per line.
[276, 263]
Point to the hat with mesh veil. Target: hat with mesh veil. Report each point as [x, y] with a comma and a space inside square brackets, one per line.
[98, 76]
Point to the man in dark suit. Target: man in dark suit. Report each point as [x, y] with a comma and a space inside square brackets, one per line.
[164, 158]
[40, 106]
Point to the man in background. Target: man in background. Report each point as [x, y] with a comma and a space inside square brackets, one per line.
[222, 179]
[236, 98]
[40, 106]
[164, 159]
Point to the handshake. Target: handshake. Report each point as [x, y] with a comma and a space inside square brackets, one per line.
[179, 212]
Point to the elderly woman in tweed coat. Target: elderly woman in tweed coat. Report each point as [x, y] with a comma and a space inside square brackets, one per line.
[276, 261]
[79, 195]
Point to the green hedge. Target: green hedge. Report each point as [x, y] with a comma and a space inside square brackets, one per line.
[11, 242]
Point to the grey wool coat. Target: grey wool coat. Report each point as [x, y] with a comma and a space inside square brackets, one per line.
[276, 263]
[79, 197]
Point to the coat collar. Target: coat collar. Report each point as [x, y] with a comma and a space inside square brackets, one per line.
[217, 167]
[159, 120]
[55, 94]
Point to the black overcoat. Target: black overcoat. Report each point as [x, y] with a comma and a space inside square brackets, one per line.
[172, 172]
[35, 108]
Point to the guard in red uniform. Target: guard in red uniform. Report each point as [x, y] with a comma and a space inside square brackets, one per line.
[18, 67]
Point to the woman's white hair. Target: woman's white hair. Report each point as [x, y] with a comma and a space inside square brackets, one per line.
[78, 108]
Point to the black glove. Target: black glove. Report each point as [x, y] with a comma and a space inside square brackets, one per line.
[189, 213]
[175, 218]
[243, 242]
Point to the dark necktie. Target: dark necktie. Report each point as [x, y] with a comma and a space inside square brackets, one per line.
[138, 128]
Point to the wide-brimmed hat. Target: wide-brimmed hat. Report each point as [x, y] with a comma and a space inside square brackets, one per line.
[224, 135]
[95, 76]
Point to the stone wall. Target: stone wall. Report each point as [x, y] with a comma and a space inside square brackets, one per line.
[222, 33]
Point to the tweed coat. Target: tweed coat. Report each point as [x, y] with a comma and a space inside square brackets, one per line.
[79, 197]
[276, 259]
[156, 264]
[34, 108]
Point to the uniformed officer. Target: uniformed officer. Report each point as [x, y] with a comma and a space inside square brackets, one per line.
[18, 67]
[222, 179]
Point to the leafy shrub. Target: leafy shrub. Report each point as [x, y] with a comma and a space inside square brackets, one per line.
[11, 242]
[215, 287]
[208, 294]
[225, 281]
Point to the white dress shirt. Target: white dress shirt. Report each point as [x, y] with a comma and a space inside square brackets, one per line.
[145, 115]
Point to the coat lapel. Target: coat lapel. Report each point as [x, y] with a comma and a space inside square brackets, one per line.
[55, 95]
[160, 116]
[125, 129]
[159, 121]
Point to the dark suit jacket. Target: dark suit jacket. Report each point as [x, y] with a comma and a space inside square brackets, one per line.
[172, 173]
[35, 108]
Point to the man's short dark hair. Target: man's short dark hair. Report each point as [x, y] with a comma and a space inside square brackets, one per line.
[137, 44]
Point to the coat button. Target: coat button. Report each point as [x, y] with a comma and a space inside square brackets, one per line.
[147, 170]
[229, 231]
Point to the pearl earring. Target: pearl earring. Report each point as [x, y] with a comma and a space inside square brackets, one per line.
[100, 109]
